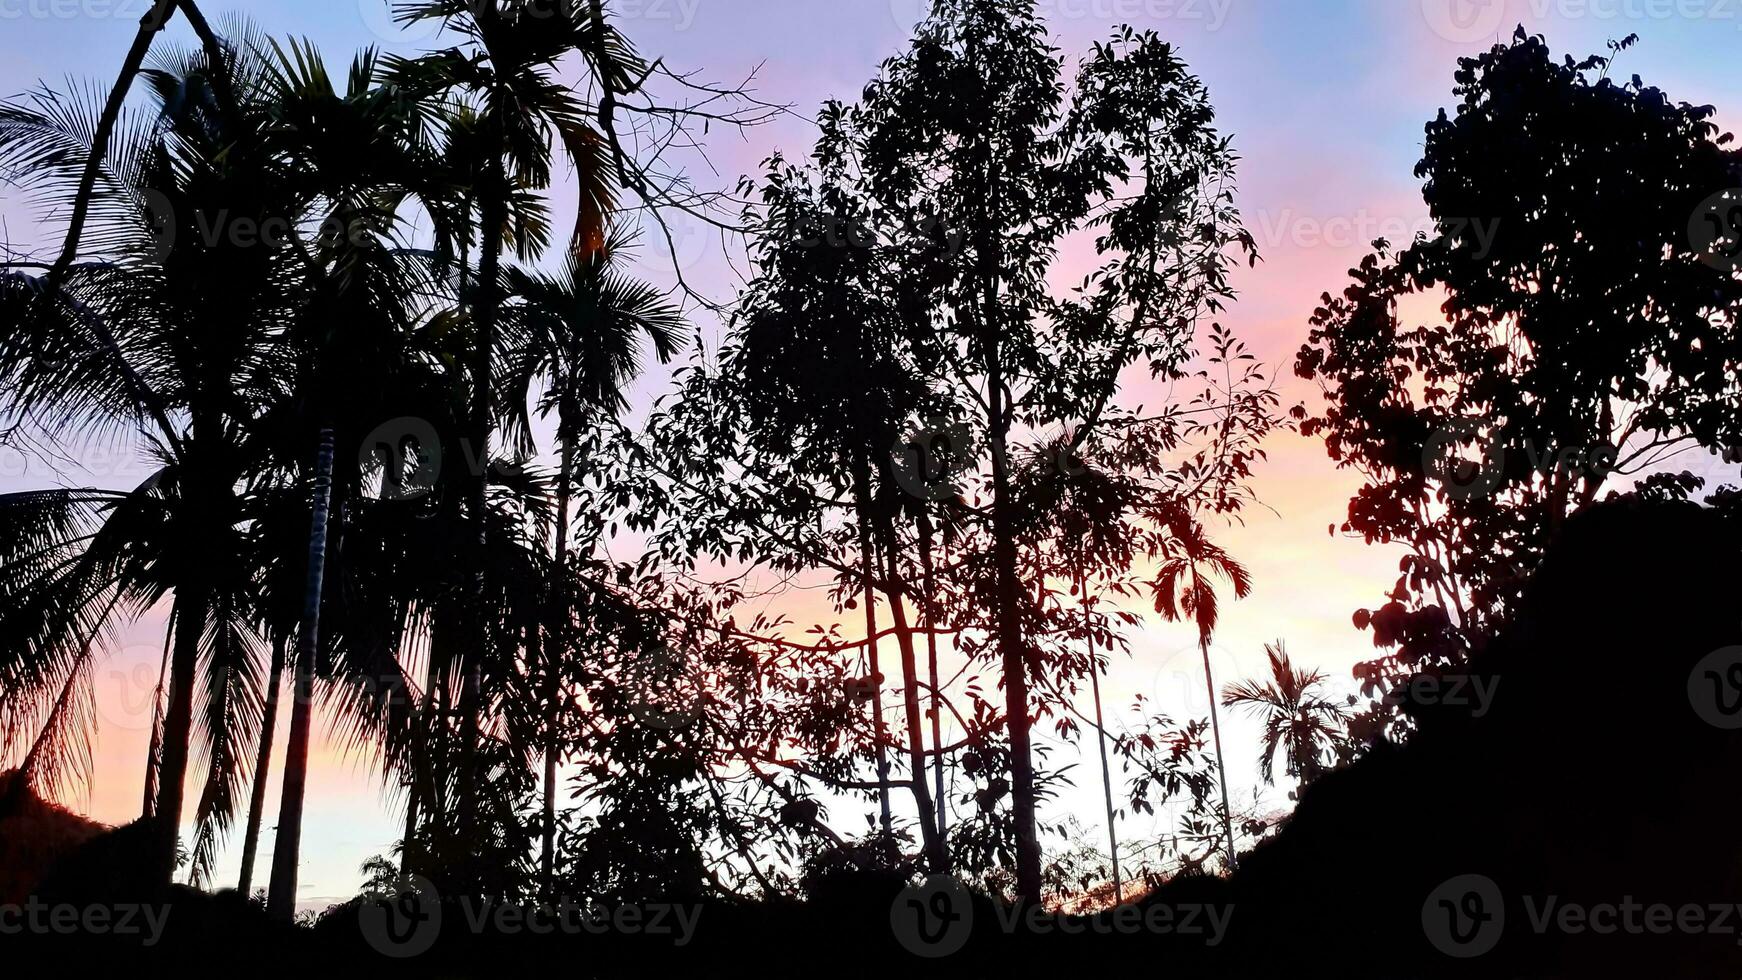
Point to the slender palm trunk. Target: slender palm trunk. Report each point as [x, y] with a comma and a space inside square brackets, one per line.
[262, 768]
[868, 564]
[1101, 743]
[554, 652]
[155, 749]
[417, 775]
[190, 614]
[929, 575]
[287, 846]
[936, 855]
[1221, 768]
[484, 314]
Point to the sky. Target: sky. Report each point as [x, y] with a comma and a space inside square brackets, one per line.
[1326, 101]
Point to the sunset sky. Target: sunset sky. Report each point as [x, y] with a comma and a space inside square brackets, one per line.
[1326, 101]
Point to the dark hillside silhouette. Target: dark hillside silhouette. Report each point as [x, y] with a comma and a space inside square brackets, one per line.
[34, 835]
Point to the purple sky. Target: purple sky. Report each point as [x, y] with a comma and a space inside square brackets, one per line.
[1326, 100]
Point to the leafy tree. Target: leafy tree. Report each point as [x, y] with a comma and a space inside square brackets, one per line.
[1588, 334]
[901, 285]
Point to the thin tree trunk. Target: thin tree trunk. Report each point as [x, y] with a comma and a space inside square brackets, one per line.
[1101, 743]
[554, 651]
[190, 616]
[1011, 646]
[155, 749]
[868, 564]
[484, 315]
[936, 855]
[262, 768]
[928, 572]
[286, 850]
[154, 21]
[1221, 767]
[417, 778]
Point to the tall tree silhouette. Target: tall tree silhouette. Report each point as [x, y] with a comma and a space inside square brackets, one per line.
[1185, 589]
[166, 329]
[581, 331]
[1585, 334]
[521, 109]
[356, 155]
[970, 128]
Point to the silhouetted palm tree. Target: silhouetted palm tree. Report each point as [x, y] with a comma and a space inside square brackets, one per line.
[520, 107]
[579, 330]
[1299, 722]
[354, 155]
[166, 329]
[1184, 589]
